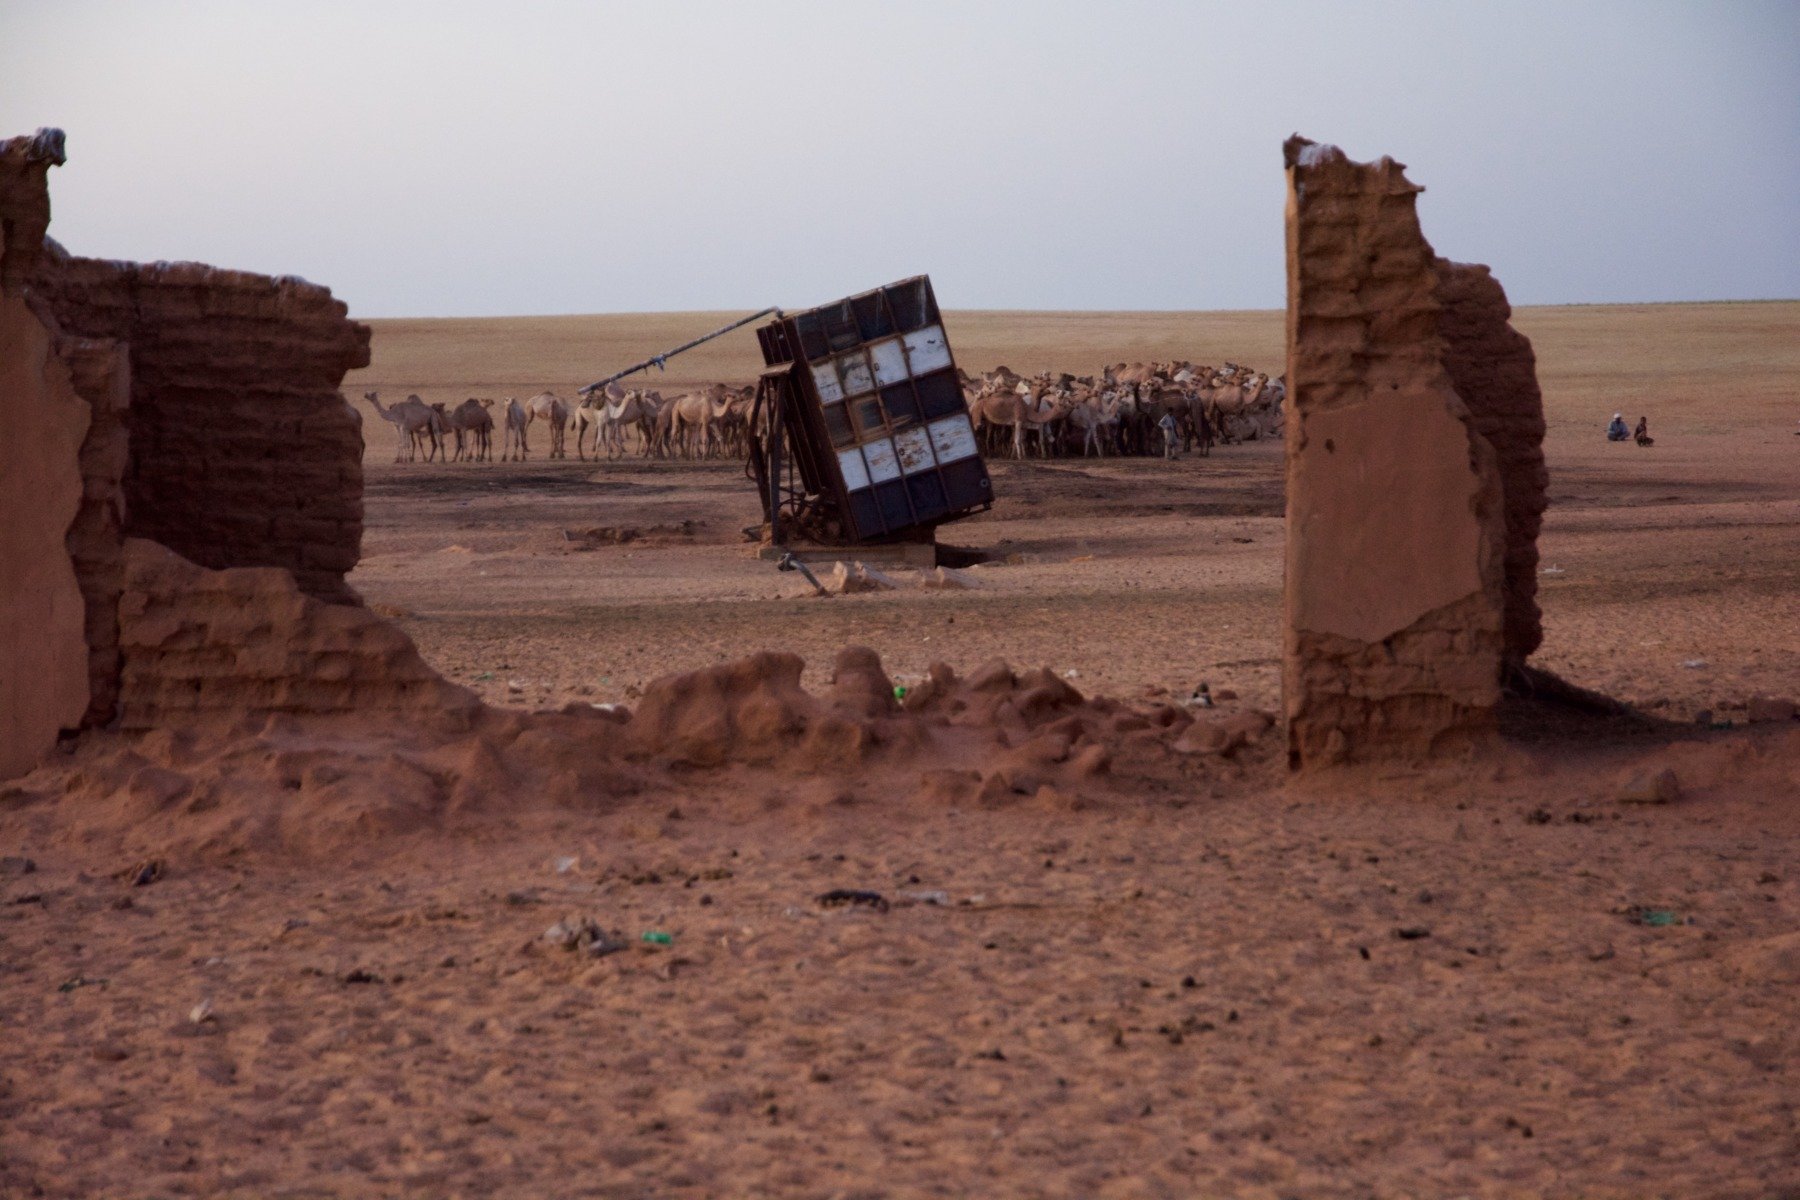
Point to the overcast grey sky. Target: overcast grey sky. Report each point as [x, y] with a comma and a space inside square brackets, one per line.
[450, 158]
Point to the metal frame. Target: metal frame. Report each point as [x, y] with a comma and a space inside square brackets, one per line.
[909, 502]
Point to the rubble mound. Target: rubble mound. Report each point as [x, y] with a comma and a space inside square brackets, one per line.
[322, 736]
[208, 646]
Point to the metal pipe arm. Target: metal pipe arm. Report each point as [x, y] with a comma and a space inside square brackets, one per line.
[657, 360]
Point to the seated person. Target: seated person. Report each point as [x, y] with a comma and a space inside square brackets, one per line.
[1642, 432]
[1616, 432]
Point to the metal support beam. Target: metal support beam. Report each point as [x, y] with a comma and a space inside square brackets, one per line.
[658, 360]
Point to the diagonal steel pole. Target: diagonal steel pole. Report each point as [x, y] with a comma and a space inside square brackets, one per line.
[657, 360]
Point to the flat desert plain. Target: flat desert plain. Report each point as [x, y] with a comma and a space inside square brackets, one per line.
[1486, 978]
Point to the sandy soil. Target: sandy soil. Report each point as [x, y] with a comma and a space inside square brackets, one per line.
[1216, 981]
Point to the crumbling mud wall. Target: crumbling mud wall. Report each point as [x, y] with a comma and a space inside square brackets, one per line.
[101, 374]
[243, 451]
[1396, 523]
[202, 647]
[25, 164]
[1494, 370]
[199, 408]
[43, 648]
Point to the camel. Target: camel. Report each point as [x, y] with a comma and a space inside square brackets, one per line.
[1009, 409]
[1097, 417]
[415, 422]
[633, 411]
[512, 439]
[590, 413]
[688, 425]
[470, 420]
[551, 409]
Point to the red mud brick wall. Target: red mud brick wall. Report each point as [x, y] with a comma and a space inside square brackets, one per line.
[243, 452]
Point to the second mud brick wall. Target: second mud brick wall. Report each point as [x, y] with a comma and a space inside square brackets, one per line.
[243, 452]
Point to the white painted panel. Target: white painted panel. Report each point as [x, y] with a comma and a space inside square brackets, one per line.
[927, 349]
[856, 475]
[914, 449]
[854, 369]
[883, 464]
[953, 438]
[889, 360]
[826, 380]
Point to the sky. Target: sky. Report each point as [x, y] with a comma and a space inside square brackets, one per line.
[470, 159]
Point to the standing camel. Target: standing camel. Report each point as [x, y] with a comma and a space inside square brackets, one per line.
[551, 409]
[512, 440]
[632, 411]
[469, 421]
[414, 422]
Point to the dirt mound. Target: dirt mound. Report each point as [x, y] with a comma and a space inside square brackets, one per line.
[212, 781]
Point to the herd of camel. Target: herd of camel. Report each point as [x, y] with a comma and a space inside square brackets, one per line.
[1120, 411]
[698, 424]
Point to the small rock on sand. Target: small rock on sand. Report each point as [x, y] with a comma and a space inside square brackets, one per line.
[1650, 786]
[847, 578]
[945, 579]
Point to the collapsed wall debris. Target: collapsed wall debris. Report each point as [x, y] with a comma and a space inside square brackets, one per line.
[1415, 476]
[205, 646]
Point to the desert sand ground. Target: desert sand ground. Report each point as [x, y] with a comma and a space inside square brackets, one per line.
[1224, 982]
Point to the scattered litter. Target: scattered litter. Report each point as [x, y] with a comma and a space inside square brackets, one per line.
[567, 863]
[1201, 696]
[657, 937]
[842, 897]
[1552, 569]
[934, 898]
[1071, 673]
[584, 934]
[1694, 664]
[515, 686]
[1655, 918]
[899, 692]
[79, 981]
[144, 874]
[202, 1012]
[484, 677]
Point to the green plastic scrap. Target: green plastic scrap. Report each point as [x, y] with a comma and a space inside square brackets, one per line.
[657, 937]
[899, 692]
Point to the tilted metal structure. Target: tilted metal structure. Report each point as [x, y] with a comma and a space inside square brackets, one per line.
[865, 397]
